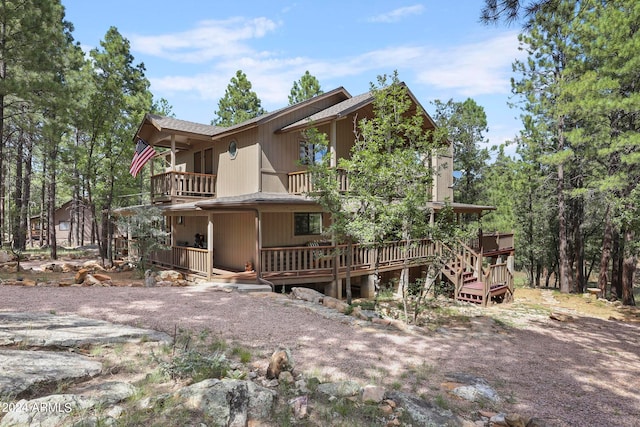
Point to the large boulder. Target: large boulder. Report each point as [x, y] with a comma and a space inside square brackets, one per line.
[307, 294]
[229, 402]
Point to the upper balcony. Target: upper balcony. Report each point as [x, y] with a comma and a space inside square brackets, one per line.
[302, 182]
[166, 186]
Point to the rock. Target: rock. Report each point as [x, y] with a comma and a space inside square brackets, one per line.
[299, 405]
[340, 389]
[307, 294]
[149, 279]
[286, 377]
[393, 423]
[561, 317]
[91, 280]
[164, 283]
[335, 303]
[537, 422]
[22, 370]
[67, 268]
[472, 388]
[101, 277]
[498, 420]
[59, 408]
[49, 330]
[81, 275]
[424, 413]
[4, 257]
[281, 360]
[372, 393]
[385, 408]
[516, 420]
[169, 275]
[229, 402]
[93, 265]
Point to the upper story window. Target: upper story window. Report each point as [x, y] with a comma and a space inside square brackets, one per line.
[310, 154]
[307, 223]
[64, 225]
[233, 149]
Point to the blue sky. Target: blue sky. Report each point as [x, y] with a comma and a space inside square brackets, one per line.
[192, 48]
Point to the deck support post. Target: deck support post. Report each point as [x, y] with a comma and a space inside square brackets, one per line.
[334, 288]
[209, 245]
[368, 289]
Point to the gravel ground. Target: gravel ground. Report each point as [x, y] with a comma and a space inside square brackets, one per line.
[580, 373]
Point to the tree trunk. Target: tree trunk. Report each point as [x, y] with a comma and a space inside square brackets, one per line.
[616, 267]
[26, 191]
[603, 273]
[348, 274]
[18, 240]
[563, 251]
[628, 269]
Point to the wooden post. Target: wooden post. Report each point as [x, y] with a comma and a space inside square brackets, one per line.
[173, 165]
[210, 252]
[334, 145]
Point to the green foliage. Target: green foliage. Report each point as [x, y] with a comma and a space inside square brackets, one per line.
[143, 227]
[464, 123]
[239, 103]
[196, 365]
[307, 87]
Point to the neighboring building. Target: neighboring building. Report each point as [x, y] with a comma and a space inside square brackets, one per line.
[73, 223]
[243, 188]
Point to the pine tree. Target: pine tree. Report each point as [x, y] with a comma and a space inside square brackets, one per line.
[239, 103]
[465, 123]
[307, 87]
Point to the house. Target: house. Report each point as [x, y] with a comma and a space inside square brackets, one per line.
[73, 222]
[243, 189]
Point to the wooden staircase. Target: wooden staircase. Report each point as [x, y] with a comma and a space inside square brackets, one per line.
[476, 283]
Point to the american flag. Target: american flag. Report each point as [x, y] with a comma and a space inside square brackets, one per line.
[143, 153]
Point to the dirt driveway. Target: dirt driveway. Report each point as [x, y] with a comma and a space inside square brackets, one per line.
[583, 372]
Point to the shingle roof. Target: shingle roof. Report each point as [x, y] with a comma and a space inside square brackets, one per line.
[337, 110]
[170, 123]
[254, 199]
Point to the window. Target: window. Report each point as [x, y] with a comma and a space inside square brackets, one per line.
[208, 161]
[197, 162]
[64, 225]
[233, 149]
[310, 154]
[307, 223]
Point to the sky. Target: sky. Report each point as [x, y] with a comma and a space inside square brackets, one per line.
[192, 48]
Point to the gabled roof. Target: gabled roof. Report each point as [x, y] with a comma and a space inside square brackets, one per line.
[345, 108]
[339, 93]
[172, 124]
[334, 112]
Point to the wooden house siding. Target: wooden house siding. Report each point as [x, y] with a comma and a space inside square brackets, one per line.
[277, 229]
[234, 239]
[238, 175]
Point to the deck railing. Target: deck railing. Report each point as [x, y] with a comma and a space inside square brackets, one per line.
[189, 184]
[320, 259]
[493, 242]
[302, 182]
[183, 257]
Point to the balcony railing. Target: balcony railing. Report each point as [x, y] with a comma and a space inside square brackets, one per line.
[302, 182]
[166, 185]
[320, 259]
[185, 258]
[493, 242]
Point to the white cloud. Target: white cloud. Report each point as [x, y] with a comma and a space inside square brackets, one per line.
[208, 40]
[472, 69]
[397, 14]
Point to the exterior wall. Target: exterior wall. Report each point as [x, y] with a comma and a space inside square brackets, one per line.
[277, 230]
[185, 228]
[443, 179]
[234, 239]
[238, 175]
